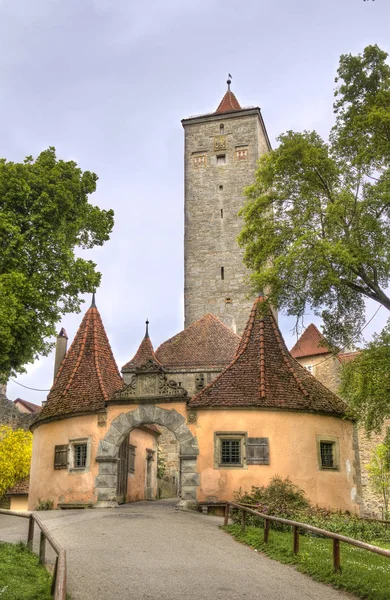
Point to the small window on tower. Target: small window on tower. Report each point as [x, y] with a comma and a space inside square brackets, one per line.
[221, 129]
[220, 188]
[221, 159]
[222, 272]
[221, 213]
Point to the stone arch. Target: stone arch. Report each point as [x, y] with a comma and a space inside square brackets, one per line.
[107, 454]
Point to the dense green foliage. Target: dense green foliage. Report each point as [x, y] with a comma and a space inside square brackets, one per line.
[364, 574]
[365, 382]
[21, 576]
[317, 219]
[379, 474]
[281, 498]
[44, 217]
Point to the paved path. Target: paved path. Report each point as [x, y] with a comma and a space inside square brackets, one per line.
[149, 551]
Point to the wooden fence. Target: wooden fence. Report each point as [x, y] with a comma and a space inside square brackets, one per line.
[296, 527]
[58, 585]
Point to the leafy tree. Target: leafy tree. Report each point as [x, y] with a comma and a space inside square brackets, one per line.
[15, 456]
[317, 219]
[365, 382]
[379, 474]
[44, 217]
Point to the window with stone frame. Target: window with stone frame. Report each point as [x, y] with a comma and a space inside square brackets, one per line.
[79, 454]
[221, 159]
[328, 453]
[229, 450]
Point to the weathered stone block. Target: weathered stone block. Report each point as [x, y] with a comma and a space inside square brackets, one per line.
[188, 493]
[108, 468]
[113, 436]
[173, 420]
[188, 466]
[107, 448]
[105, 481]
[182, 433]
[121, 423]
[189, 448]
[190, 479]
[147, 413]
[107, 494]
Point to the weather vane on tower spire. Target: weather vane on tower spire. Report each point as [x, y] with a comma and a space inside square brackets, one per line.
[230, 77]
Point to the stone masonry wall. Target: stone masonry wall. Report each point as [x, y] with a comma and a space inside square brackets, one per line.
[10, 415]
[213, 197]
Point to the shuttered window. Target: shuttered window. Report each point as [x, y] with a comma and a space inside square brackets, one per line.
[61, 456]
[257, 451]
[131, 462]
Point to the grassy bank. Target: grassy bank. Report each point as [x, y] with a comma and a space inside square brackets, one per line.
[364, 574]
[21, 575]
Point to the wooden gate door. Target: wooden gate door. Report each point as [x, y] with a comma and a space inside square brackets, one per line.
[123, 455]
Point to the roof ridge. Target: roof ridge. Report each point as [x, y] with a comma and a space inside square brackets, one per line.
[82, 348]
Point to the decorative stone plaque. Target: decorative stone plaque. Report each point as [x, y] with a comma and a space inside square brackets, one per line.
[242, 154]
[199, 161]
[219, 143]
[147, 385]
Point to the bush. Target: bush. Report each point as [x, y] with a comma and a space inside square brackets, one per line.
[44, 504]
[282, 498]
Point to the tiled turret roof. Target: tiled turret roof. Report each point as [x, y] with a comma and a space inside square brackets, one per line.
[263, 374]
[145, 354]
[206, 343]
[311, 343]
[88, 375]
[228, 103]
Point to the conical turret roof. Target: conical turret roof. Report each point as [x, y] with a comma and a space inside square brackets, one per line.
[144, 355]
[311, 343]
[263, 374]
[88, 375]
[228, 103]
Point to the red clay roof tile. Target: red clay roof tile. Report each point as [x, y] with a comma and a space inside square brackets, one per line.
[21, 487]
[88, 375]
[144, 354]
[309, 344]
[228, 103]
[263, 374]
[206, 343]
[31, 407]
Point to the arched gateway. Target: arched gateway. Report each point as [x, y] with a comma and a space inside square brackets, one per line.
[107, 455]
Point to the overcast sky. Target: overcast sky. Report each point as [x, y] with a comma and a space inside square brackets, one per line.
[107, 83]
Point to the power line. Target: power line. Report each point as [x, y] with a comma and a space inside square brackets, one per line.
[364, 326]
[27, 387]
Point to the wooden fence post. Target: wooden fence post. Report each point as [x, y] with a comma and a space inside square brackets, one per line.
[226, 521]
[336, 556]
[54, 580]
[266, 531]
[42, 548]
[30, 535]
[243, 520]
[296, 539]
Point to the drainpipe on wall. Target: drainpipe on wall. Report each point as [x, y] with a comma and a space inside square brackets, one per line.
[61, 347]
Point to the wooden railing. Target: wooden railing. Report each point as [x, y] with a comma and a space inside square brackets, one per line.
[296, 527]
[58, 585]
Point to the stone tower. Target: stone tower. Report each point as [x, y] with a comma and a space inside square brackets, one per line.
[221, 152]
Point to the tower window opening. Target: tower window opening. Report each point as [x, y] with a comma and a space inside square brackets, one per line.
[221, 213]
[221, 187]
[221, 159]
[222, 272]
[221, 129]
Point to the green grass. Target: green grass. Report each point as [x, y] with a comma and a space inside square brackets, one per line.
[21, 575]
[364, 574]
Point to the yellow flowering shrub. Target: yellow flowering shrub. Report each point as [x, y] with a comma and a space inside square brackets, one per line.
[15, 456]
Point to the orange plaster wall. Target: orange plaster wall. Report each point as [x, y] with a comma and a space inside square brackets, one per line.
[19, 502]
[47, 483]
[293, 453]
[137, 480]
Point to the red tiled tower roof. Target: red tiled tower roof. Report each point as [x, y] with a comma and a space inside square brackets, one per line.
[311, 343]
[144, 354]
[228, 103]
[88, 375]
[206, 343]
[263, 374]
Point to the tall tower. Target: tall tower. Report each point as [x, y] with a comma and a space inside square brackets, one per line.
[221, 152]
